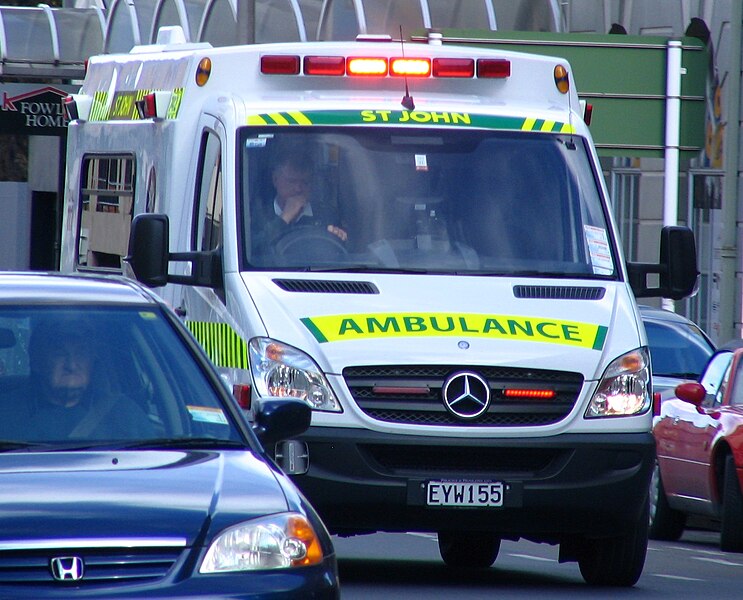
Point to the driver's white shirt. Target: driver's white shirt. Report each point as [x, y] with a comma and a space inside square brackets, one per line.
[307, 212]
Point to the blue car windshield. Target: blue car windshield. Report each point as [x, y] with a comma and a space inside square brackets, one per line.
[103, 374]
[678, 350]
[441, 201]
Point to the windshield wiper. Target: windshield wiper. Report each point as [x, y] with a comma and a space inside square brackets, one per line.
[11, 445]
[182, 443]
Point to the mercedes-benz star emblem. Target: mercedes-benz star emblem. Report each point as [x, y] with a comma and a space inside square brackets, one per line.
[466, 395]
[67, 568]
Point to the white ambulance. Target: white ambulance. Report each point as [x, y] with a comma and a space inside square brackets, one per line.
[417, 240]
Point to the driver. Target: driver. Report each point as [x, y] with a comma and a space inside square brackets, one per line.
[292, 205]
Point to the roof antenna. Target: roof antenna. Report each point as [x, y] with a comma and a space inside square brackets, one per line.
[407, 99]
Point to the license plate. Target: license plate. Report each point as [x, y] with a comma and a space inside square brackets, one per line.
[464, 493]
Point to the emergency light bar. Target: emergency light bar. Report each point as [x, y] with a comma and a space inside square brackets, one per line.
[380, 66]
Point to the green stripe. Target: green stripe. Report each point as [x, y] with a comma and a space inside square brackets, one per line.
[402, 117]
[319, 336]
[598, 342]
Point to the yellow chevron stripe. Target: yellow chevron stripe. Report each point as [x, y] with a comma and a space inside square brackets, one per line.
[279, 118]
[528, 124]
[256, 120]
[547, 126]
[299, 117]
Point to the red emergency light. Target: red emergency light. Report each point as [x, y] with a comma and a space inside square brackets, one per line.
[367, 66]
[410, 67]
[325, 65]
[493, 68]
[529, 394]
[153, 105]
[453, 67]
[280, 64]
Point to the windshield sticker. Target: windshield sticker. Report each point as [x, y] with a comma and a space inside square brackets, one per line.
[405, 117]
[259, 142]
[598, 248]
[207, 414]
[335, 328]
[421, 162]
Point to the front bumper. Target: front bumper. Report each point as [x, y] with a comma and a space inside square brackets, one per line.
[318, 582]
[555, 487]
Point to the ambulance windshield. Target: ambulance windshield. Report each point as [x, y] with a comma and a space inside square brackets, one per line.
[449, 201]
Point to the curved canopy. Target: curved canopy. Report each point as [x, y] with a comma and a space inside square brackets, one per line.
[48, 42]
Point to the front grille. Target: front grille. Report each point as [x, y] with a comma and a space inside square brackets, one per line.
[558, 292]
[474, 460]
[101, 565]
[319, 286]
[424, 405]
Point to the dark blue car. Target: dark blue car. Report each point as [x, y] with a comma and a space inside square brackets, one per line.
[127, 469]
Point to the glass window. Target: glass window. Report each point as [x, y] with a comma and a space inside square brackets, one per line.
[209, 202]
[107, 197]
[446, 201]
[102, 374]
[736, 393]
[677, 350]
[715, 376]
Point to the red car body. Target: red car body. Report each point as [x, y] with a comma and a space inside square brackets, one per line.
[699, 443]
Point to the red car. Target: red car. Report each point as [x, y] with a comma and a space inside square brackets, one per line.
[699, 441]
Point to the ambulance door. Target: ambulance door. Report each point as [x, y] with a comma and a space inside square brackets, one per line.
[202, 307]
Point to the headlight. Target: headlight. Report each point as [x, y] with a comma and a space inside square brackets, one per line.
[280, 370]
[625, 387]
[277, 542]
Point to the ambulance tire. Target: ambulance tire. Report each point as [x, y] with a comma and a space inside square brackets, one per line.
[309, 243]
[468, 549]
[616, 561]
[665, 523]
[731, 526]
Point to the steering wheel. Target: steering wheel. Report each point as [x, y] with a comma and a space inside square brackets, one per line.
[309, 244]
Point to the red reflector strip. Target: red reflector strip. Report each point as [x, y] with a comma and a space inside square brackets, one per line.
[656, 404]
[279, 65]
[241, 392]
[453, 67]
[324, 65]
[410, 67]
[536, 394]
[388, 389]
[494, 68]
[366, 66]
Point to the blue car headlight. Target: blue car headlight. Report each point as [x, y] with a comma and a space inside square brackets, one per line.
[280, 541]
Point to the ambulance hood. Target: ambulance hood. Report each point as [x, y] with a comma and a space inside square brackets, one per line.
[436, 319]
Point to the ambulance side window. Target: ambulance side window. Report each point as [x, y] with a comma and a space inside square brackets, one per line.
[106, 201]
[208, 217]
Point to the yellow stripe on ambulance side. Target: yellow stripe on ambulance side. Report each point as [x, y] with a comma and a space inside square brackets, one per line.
[222, 343]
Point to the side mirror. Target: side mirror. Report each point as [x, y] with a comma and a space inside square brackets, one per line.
[280, 419]
[677, 270]
[148, 249]
[691, 392]
[149, 256]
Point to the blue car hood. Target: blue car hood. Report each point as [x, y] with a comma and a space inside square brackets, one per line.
[186, 495]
